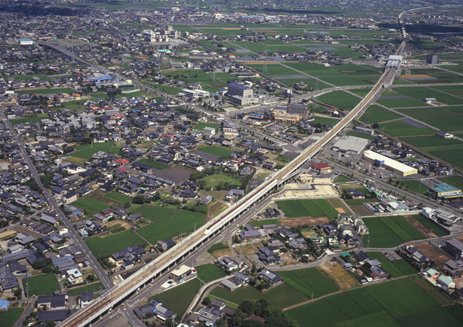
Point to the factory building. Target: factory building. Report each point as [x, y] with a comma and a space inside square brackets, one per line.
[350, 145]
[391, 164]
[444, 191]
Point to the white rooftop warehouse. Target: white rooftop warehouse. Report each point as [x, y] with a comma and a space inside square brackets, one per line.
[351, 144]
[395, 166]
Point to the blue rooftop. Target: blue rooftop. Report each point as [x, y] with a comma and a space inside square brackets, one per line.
[444, 187]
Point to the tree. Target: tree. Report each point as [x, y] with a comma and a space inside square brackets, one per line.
[139, 199]
[247, 307]
[17, 292]
[221, 323]
[207, 301]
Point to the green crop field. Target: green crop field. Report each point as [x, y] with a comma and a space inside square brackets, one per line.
[181, 222]
[209, 272]
[340, 100]
[106, 246]
[402, 298]
[178, 298]
[419, 93]
[98, 200]
[155, 213]
[415, 186]
[437, 117]
[455, 181]
[118, 197]
[432, 140]
[394, 303]
[400, 128]
[308, 281]
[430, 225]
[305, 208]
[326, 120]
[281, 296]
[395, 268]
[90, 151]
[153, 164]
[201, 126]
[216, 150]
[377, 114]
[9, 318]
[95, 287]
[42, 285]
[388, 232]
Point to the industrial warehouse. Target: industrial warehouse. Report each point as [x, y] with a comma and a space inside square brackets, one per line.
[350, 145]
[395, 166]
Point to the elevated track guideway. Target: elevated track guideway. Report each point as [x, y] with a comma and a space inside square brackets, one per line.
[169, 259]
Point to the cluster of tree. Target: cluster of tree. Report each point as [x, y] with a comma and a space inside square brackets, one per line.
[274, 317]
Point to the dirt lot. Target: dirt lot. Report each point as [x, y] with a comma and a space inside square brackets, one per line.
[288, 259]
[248, 249]
[295, 222]
[339, 275]
[439, 257]
[426, 231]
[307, 232]
[220, 253]
[175, 173]
[361, 210]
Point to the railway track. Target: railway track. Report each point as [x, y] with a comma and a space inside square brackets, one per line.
[120, 292]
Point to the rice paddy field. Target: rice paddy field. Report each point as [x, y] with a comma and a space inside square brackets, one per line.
[395, 268]
[106, 246]
[388, 232]
[377, 114]
[306, 208]
[398, 302]
[401, 128]
[340, 100]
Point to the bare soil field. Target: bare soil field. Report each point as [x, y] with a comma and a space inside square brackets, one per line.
[439, 257]
[7, 234]
[361, 210]
[303, 221]
[288, 259]
[249, 249]
[339, 275]
[220, 253]
[426, 231]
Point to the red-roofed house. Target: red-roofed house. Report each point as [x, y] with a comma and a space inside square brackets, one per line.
[122, 161]
[321, 167]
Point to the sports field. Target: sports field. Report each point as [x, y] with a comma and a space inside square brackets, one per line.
[305, 208]
[41, 285]
[163, 227]
[309, 282]
[209, 272]
[215, 179]
[281, 296]
[395, 268]
[220, 151]
[394, 303]
[106, 246]
[201, 126]
[89, 151]
[153, 164]
[388, 232]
